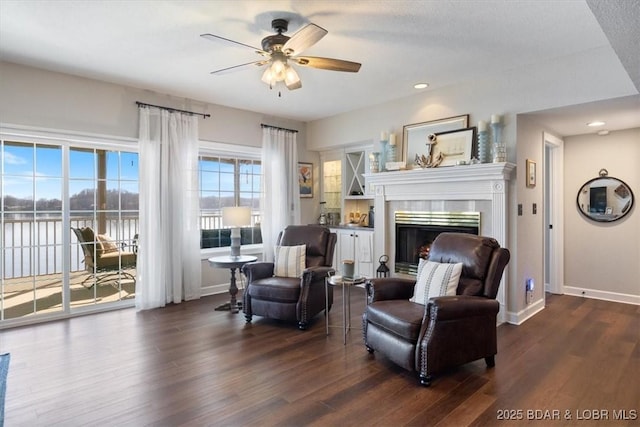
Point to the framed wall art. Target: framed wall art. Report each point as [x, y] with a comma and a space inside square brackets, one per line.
[414, 137]
[455, 147]
[531, 173]
[305, 179]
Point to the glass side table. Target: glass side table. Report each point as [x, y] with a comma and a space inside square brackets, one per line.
[346, 283]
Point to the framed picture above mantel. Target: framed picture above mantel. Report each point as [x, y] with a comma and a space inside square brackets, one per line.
[455, 146]
[415, 136]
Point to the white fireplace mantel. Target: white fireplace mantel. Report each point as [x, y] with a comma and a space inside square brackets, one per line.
[482, 171]
[481, 187]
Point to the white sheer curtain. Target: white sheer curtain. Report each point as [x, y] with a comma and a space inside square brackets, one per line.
[281, 196]
[168, 267]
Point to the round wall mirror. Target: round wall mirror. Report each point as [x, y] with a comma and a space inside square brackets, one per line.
[605, 198]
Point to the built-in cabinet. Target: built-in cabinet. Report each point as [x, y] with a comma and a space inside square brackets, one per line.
[344, 191]
[355, 244]
[346, 198]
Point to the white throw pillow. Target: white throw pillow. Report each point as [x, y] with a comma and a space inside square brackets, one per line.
[435, 280]
[289, 260]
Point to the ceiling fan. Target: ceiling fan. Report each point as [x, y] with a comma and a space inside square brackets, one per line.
[280, 51]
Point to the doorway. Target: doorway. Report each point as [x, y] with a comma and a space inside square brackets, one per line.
[553, 214]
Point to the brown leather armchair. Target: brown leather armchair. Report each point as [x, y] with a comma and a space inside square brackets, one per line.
[286, 298]
[450, 330]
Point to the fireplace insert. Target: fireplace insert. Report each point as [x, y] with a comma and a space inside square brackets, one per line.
[415, 231]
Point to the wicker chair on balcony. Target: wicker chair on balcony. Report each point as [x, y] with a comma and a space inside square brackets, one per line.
[103, 259]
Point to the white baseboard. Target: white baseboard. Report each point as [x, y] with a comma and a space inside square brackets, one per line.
[222, 288]
[528, 312]
[603, 295]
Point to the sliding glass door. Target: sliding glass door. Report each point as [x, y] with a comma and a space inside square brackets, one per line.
[103, 215]
[50, 188]
[32, 251]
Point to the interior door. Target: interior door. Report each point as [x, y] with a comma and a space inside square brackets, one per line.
[554, 214]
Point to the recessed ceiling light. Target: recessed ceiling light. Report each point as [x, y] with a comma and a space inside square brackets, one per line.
[603, 132]
[421, 85]
[596, 123]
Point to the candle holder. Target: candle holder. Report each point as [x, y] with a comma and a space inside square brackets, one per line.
[383, 155]
[392, 153]
[374, 162]
[499, 147]
[484, 148]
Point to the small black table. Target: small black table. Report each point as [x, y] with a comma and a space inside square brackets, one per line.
[232, 263]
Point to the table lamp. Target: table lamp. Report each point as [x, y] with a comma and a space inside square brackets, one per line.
[235, 218]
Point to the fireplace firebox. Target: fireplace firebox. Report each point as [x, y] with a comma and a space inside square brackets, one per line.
[415, 231]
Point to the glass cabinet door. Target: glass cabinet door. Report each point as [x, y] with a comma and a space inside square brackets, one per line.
[332, 189]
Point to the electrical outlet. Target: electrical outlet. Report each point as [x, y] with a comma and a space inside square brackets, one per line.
[529, 285]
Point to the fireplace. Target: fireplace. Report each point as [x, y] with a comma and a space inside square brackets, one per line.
[482, 188]
[415, 231]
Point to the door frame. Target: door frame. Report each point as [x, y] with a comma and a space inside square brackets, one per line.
[554, 213]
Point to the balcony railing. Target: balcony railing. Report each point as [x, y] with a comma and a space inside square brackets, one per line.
[34, 247]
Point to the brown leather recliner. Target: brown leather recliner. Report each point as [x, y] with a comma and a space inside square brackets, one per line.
[286, 298]
[449, 330]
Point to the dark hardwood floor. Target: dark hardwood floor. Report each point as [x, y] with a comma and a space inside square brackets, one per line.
[189, 365]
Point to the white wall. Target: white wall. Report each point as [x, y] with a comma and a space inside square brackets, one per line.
[602, 259]
[529, 226]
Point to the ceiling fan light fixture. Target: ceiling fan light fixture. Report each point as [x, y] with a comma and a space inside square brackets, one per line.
[267, 76]
[278, 69]
[292, 80]
[276, 72]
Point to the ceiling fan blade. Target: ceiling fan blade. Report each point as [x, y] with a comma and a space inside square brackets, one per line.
[303, 39]
[328, 63]
[239, 67]
[215, 38]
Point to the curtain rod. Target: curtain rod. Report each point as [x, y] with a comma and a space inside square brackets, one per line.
[279, 128]
[142, 104]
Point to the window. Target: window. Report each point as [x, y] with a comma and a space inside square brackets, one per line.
[227, 180]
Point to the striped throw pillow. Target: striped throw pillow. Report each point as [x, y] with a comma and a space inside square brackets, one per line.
[435, 280]
[289, 260]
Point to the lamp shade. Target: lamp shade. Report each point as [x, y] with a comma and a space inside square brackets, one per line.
[239, 216]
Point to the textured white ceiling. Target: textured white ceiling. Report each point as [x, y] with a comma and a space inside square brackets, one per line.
[156, 45]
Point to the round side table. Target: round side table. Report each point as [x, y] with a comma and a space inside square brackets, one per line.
[346, 283]
[232, 263]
